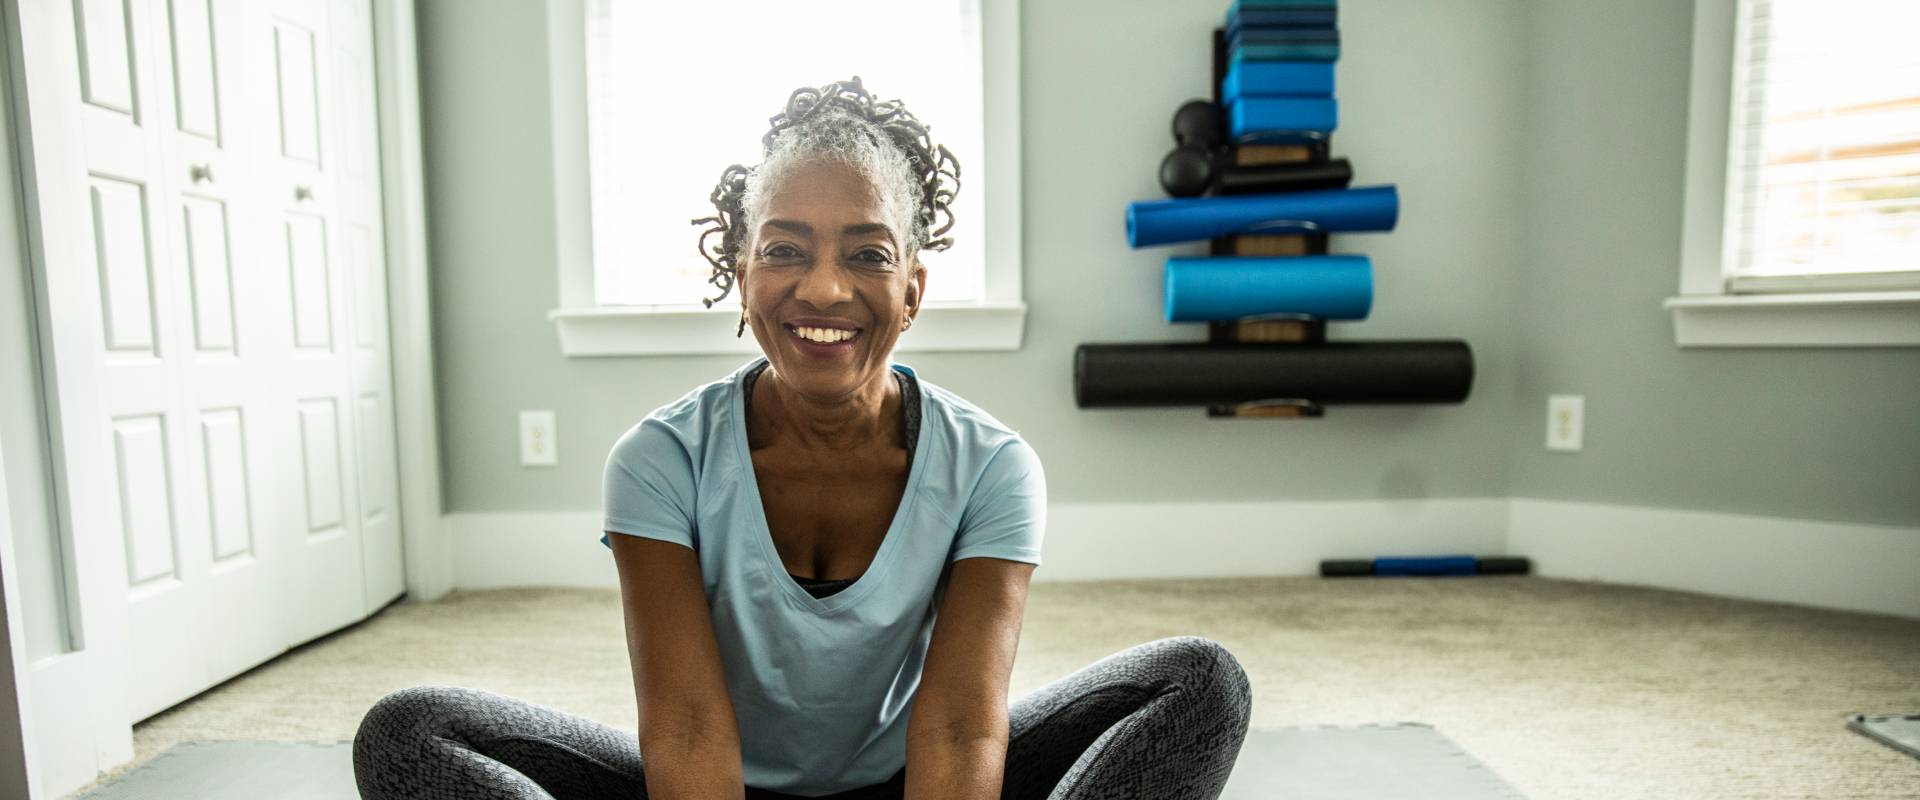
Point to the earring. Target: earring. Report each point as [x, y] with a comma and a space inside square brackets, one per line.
[743, 326]
[907, 324]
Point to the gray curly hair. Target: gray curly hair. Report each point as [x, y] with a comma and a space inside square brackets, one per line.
[839, 123]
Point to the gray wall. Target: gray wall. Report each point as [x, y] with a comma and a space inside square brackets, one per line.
[1431, 102]
[1828, 434]
[1537, 147]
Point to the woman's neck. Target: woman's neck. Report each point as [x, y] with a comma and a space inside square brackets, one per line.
[868, 414]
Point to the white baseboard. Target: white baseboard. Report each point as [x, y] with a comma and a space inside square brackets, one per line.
[1083, 542]
[1828, 564]
[1212, 540]
[1851, 566]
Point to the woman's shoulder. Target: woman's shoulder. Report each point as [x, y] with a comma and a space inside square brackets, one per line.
[971, 428]
[686, 423]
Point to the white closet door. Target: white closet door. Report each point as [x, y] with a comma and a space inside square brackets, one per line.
[226, 348]
[363, 247]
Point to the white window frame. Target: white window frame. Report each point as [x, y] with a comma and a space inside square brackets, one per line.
[1706, 313]
[996, 322]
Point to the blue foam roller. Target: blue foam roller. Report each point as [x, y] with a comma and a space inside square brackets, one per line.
[1192, 219]
[1201, 289]
[1438, 565]
[1277, 118]
[1277, 79]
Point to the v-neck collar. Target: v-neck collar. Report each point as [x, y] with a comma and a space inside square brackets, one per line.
[776, 570]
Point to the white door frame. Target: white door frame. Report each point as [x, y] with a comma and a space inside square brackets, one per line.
[426, 534]
[75, 722]
[17, 766]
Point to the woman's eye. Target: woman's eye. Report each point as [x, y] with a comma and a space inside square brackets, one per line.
[873, 257]
[780, 251]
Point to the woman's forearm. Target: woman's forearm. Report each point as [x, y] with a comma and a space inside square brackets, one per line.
[692, 767]
[951, 765]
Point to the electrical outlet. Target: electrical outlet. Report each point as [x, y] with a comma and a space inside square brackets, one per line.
[1566, 417]
[538, 447]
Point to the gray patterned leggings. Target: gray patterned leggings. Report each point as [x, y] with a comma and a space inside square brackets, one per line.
[1162, 720]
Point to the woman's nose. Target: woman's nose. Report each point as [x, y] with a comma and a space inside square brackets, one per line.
[823, 286]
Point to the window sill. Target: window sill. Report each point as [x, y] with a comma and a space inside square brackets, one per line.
[1832, 319]
[666, 331]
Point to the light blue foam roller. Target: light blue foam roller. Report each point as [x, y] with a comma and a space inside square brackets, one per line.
[1191, 219]
[1226, 288]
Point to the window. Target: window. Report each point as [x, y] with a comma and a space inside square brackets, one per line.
[1802, 208]
[673, 98]
[1825, 145]
[651, 102]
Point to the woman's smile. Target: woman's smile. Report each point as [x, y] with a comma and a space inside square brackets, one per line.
[823, 341]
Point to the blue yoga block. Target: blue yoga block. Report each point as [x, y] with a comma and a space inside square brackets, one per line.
[1247, 5]
[1321, 51]
[1224, 288]
[1249, 79]
[1240, 19]
[1278, 118]
[1192, 219]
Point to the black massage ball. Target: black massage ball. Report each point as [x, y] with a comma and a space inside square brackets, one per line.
[1186, 172]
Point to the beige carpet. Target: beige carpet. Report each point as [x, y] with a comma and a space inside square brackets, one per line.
[1568, 690]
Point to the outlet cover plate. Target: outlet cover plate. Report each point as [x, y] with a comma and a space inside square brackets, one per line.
[538, 444]
[1566, 422]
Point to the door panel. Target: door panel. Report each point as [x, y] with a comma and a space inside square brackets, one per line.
[126, 274]
[229, 498]
[312, 290]
[299, 92]
[196, 94]
[106, 60]
[146, 502]
[211, 273]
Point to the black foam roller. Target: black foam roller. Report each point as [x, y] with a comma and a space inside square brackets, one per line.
[1505, 565]
[1334, 174]
[1202, 374]
[1345, 568]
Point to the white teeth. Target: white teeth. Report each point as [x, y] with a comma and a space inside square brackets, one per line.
[823, 335]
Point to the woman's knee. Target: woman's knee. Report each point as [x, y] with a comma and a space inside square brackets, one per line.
[412, 712]
[1207, 670]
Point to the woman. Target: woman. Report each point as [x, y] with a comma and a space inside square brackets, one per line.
[823, 558]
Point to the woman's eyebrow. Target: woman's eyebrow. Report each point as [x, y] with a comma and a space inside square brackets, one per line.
[791, 226]
[865, 228]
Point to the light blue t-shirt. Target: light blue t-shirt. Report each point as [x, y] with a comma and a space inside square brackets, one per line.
[823, 687]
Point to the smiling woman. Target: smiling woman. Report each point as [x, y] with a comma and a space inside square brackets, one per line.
[823, 558]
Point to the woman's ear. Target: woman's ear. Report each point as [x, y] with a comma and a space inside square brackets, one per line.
[916, 287]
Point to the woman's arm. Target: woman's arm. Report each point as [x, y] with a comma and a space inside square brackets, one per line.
[689, 738]
[957, 736]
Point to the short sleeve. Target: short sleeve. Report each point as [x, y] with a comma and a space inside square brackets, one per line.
[648, 488]
[1007, 515]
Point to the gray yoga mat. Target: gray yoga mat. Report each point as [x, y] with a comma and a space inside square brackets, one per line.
[1370, 762]
[239, 771]
[1402, 761]
[1898, 731]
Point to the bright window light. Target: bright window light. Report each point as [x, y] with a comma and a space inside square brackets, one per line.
[678, 91]
[1825, 145]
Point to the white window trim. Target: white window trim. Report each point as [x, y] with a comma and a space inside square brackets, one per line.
[996, 322]
[1705, 314]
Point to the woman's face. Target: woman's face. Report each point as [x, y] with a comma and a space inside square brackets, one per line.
[826, 285]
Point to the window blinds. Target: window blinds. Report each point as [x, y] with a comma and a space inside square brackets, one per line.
[1824, 150]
